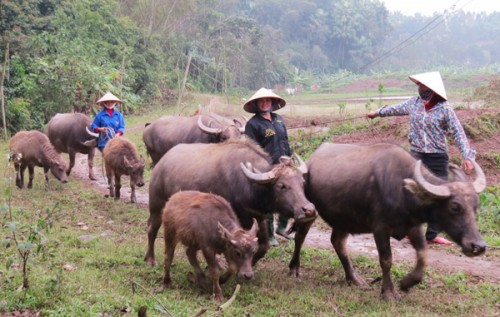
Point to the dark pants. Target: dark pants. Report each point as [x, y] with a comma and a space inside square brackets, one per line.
[437, 163]
[282, 223]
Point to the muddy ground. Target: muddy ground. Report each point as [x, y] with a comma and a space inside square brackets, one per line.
[441, 258]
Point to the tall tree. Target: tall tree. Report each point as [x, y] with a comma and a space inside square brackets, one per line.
[19, 20]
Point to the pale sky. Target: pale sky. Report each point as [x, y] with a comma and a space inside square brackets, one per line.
[428, 7]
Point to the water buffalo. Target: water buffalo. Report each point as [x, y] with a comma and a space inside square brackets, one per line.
[33, 148]
[219, 168]
[67, 133]
[206, 222]
[121, 158]
[382, 189]
[168, 131]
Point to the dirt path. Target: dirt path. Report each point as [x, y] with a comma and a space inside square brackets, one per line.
[443, 258]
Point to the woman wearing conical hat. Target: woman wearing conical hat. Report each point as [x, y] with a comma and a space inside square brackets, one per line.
[269, 131]
[108, 122]
[431, 119]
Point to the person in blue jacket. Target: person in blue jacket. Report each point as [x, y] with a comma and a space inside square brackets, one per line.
[269, 131]
[108, 122]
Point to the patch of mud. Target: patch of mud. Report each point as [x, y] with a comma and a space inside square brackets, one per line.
[441, 258]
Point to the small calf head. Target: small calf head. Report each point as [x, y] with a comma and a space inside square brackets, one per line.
[241, 247]
[136, 170]
[58, 169]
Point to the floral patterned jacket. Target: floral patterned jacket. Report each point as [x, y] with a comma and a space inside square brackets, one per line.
[428, 129]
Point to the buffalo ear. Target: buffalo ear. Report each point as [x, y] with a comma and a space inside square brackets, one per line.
[237, 123]
[413, 187]
[126, 162]
[225, 234]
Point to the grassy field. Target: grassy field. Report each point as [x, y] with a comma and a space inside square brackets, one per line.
[83, 255]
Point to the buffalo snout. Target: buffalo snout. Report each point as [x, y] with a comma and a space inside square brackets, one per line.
[140, 184]
[474, 249]
[307, 213]
[246, 275]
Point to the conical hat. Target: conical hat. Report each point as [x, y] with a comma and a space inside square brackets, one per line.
[432, 80]
[251, 104]
[108, 97]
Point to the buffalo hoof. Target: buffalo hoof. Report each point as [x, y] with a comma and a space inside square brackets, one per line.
[166, 285]
[150, 262]
[92, 177]
[409, 281]
[218, 298]
[390, 295]
[294, 272]
[356, 280]
[200, 280]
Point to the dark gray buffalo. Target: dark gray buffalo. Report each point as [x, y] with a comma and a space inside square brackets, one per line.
[33, 148]
[238, 170]
[67, 133]
[382, 189]
[168, 131]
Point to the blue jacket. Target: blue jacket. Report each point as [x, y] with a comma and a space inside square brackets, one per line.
[103, 119]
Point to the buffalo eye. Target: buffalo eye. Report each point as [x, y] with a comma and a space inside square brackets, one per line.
[455, 208]
[280, 186]
[238, 253]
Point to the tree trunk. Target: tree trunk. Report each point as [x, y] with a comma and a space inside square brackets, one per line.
[3, 69]
[186, 72]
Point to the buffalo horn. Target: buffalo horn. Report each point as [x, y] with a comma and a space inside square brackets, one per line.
[260, 178]
[241, 124]
[255, 227]
[438, 191]
[95, 135]
[302, 166]
[479, 183]
[207, 129]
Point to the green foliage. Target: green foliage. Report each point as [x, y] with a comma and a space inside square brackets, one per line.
[86, 51]
[489, 216]
[381, 90]
[368, 105]
[26, 235]
[304, 144]
[20, 116]
[342, 106]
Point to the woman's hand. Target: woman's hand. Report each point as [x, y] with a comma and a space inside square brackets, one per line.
[372, 114]
[468, 166]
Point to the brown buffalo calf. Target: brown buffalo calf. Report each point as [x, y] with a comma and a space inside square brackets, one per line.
[33, 148]
[207, 222]
[121, 158]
